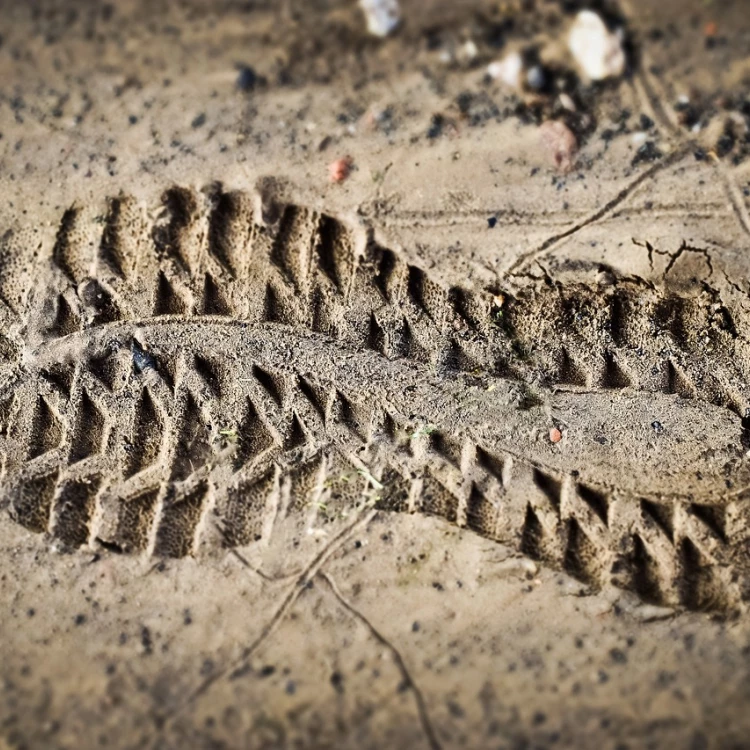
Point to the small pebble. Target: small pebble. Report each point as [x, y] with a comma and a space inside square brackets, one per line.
[382, 16]
[555, 435]
[536, 80]
[567, 102]
[596, 50]
[508, 70]
[468, 51]
[246, 78]
[560, 142]
[340, 169]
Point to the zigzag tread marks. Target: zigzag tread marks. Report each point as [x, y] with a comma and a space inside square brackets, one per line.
[437, 500]
[167, 300]
[396, 491]
[509, 500]
[99, 305]
[74, 509]
[121, 237]
[129, 520]
[14, 274]
[336, 252]
[193, 447]
[230, 230]
[254, 437]
[7, 406]
[89, 430]
[646, 577]
[303, 272]
[533, 541]
[601, 324]
[302, 486]
[178, 522]
[582, 558]
[147, 437]
[294, 243]
[243, 514]
[46, 430]
[74, 249]
[701, 587]
[481, 514]
[31, 502]
[661, 515]
[64, 319]
[214, 299]
[171, 233]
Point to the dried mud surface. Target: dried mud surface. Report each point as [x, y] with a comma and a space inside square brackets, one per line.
[277, 467]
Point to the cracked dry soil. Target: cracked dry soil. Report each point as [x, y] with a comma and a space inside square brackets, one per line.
[278, 467]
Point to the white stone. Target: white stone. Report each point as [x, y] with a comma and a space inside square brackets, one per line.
[597, 51]
[382, 16]
[469, 51]
[508, 70]
[567, 102]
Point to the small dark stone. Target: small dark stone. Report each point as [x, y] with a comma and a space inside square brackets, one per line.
[291, 688]
[463, 101]
[538, 718]
[415, 627]
[618, 656]
[699, 154]
[648, 152]
[337, 681]
[267, 671]
[146, 640]
[132, 119]
[492, 222]
[198, 121]
[246, 78]
[438, 586]
[436, 126]
[657, 427]
[646, 122]
[142, 360]
[79, 619]
[455, 709]
[725, 144]
[536, 78]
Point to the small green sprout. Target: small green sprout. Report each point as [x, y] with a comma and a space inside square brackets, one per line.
[423, 431]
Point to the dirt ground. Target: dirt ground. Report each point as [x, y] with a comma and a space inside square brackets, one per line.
[450, 452]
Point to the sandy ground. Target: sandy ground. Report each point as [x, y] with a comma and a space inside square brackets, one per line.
[451, 453]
